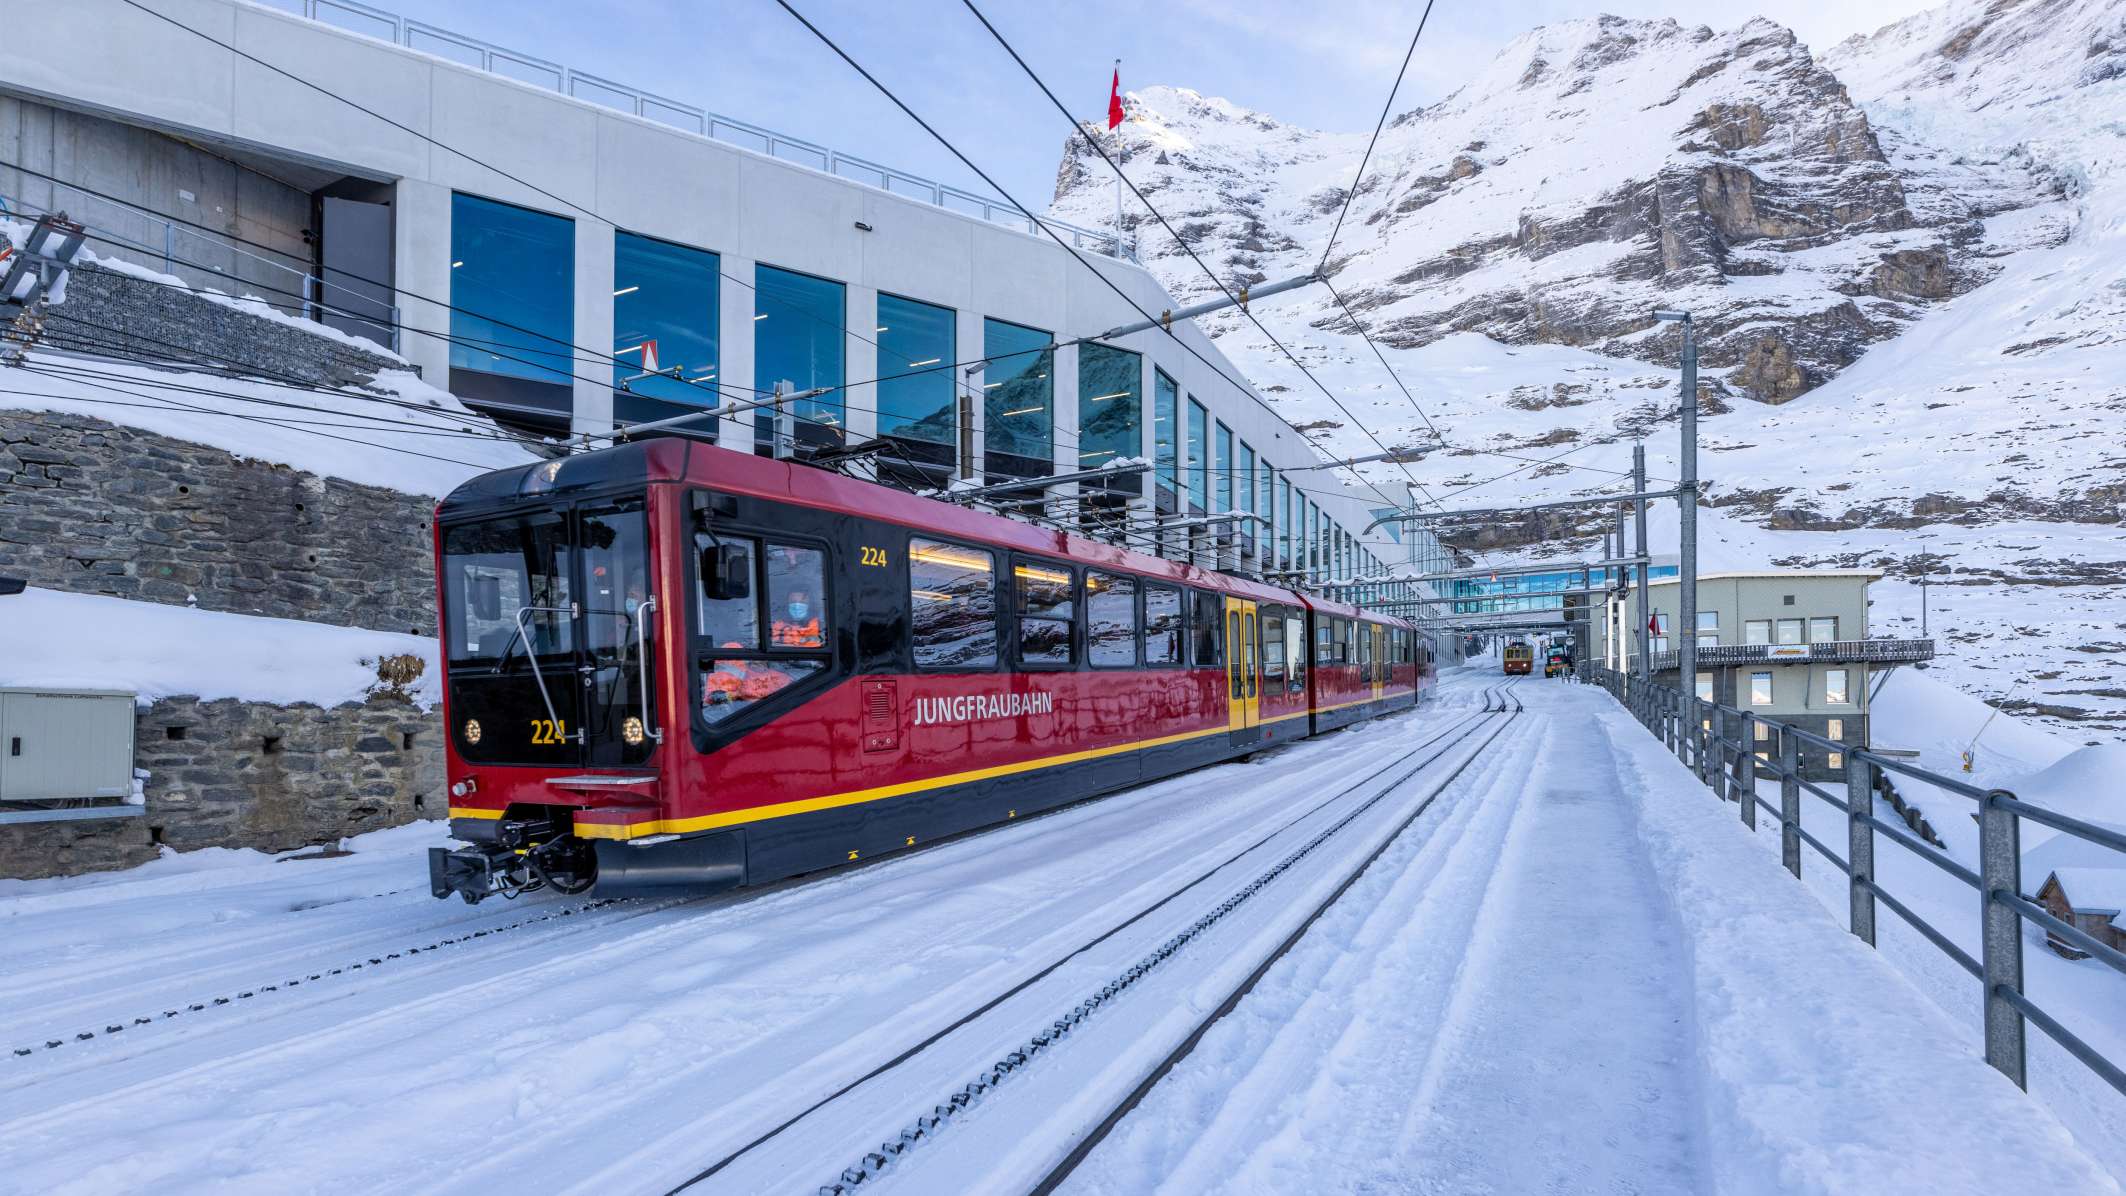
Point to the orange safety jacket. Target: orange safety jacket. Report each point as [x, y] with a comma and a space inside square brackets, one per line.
[796, 635]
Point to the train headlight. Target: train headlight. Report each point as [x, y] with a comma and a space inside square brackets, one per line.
[472, 730]
[631, 730]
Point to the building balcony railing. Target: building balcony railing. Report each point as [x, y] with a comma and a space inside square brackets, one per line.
[1882, 651]
[353, 16]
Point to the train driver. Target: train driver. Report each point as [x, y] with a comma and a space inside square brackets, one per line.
[796, 622]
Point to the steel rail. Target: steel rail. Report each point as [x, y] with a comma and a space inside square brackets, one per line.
[1456, 733]
[1092, 1139]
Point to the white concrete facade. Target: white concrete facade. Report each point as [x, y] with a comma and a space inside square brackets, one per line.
[429, 128]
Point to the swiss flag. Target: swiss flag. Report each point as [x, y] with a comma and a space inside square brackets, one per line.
[1115, 114]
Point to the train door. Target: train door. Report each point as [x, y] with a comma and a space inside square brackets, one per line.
[1381, 662]
[1243, 666]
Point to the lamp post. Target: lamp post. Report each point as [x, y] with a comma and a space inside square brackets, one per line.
[1923, 584]
[1687, 502]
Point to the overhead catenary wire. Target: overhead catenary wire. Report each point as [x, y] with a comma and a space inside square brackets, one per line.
[1078, 131]
[575, 206]
[174, 404]
[1386, 106]
[252, 373]
[578, 352]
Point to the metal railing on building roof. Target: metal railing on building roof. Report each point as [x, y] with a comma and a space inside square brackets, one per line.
[351, 16]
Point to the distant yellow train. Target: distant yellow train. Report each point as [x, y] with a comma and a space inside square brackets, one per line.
[1520, 660]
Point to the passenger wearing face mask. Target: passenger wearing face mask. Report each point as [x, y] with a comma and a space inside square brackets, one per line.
[796, 622]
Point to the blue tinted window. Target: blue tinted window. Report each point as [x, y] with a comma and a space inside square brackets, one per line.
[1199, 456]
[1222, 465]
[1284, 523]
[1166, 429]
[1018, 399]
[797, 338]
[916, 396]
[512, 290]
[1110, 405]
[1247, 478]
[664, 307]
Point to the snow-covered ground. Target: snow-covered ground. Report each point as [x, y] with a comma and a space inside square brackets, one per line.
[156, 650]
[1572, 970]
[1915, 712]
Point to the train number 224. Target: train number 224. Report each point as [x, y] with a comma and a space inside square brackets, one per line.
[873, 556]
[547, 732]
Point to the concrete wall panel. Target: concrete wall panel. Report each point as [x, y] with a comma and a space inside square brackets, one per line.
[792, 221]
[917, 251]
[272, 109]
[534, 135]
[666, 184]
[104, 54]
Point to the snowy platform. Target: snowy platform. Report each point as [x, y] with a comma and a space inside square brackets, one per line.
[1573, 970]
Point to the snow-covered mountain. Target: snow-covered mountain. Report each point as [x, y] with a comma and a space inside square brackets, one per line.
[1906, 258]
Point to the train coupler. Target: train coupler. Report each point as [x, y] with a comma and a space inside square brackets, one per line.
[474, 873]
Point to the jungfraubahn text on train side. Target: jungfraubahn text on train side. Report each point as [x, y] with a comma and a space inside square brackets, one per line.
[672, 666]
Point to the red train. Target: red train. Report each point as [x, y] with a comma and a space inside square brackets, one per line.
[670, 665]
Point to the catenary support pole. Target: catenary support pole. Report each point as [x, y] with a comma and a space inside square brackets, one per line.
[1644, 551]
[1687, 573]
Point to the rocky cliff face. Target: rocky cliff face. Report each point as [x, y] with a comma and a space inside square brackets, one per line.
[1906, 257]
[1592, 170]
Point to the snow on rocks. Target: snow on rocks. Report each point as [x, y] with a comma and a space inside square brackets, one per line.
[409, 436]
[155, 650]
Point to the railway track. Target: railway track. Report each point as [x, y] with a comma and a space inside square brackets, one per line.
[1300, 835]
[311, 972]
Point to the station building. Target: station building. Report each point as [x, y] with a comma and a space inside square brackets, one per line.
[533, 237]
[1789, 644]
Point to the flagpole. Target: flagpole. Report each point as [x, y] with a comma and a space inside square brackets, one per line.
[1118, 168]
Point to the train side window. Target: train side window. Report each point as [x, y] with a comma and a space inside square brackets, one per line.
[1340, 641]
[784, 587]
[1295, 634]
[1272, 646]
[1110, 620]
[1206, 628]
[1162, 624]
[1324, 641]
[1046, 594]
[952, 597]
[733, 622]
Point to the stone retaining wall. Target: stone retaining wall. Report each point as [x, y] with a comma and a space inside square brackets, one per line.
[118, 314]
[98, 508]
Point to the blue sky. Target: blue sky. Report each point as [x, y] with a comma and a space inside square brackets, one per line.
[1325, 65]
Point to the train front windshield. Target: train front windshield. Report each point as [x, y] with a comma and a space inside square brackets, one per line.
[547, 620]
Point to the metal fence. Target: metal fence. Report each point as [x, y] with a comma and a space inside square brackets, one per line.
[1698, 732]
[355, 17]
